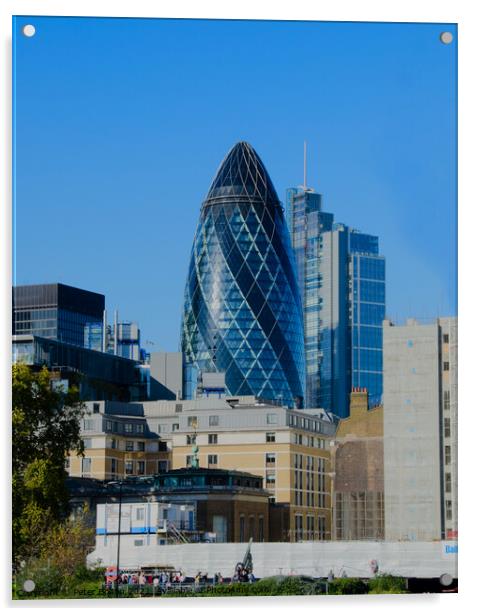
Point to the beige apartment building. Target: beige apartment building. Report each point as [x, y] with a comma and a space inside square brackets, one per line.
[117, 443]
[290, 449]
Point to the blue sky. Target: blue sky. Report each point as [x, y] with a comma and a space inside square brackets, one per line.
[120, 125]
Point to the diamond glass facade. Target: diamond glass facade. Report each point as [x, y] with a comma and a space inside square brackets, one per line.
[242, 309]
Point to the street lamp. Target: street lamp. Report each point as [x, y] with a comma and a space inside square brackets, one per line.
[120, 483]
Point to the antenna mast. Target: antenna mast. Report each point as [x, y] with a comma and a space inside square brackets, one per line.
[304, 166]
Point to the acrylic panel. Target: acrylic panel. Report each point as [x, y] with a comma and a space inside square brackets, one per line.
[234, 307]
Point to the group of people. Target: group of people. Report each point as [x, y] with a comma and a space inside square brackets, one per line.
[242, 574]
[166, 580]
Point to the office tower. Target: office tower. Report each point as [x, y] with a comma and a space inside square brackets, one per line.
[307, 222]
[56, 311]
[342, 283]
[367, 280]
[420, 430]
[242, 309]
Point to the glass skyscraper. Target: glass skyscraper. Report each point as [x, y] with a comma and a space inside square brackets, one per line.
[342, 282]
[367, 276]
[242, 308]
[56, 311]
[307, 222]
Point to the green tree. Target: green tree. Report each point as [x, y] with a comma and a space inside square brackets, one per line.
[45, 427]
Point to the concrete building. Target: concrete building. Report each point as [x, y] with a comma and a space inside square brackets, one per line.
[166, 368]
[420, 430]
[357, 459]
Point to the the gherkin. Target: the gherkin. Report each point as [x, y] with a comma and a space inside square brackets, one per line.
[242, 311]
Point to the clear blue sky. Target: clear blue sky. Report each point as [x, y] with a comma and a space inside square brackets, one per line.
[122, 123]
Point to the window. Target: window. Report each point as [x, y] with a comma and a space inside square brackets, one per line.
[140, 428]
[178, 408]
[445, 338]
[270, 458]
[140, 446]
[448, 510]
[86, 465]
[242, 529]
[128, 427]
[321, 527]
[141, 467]
[140, 514]
[446, 400]
[212, 459]
[270, 437]
[192, 421]
[447, 427]
[162, 466]
[109, 426]
[212, 439]
[213, 420]
[138, 542]
[446, 366]
[88, 424]
[448, 482]
[129, 445]
[175, 427]
[190, 439]
[270, 479]
[189, 460]
[298, 527]
[87, 443]
[114, 465]
[260, 529]
[95, 407]
[113, 443]
[251, 527]
[67, 463]
[447, 454]
[271, 418]
[129, 467]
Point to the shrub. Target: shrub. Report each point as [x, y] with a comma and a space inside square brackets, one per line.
[347, 586]
[387, 584]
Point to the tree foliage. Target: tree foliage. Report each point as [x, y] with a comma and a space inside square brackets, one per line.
[45, 427]
[59, 566]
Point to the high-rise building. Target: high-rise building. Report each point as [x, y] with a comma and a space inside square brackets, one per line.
[307, 222]
[341, 277]
[420, 430]
[56, 311]
[242, 309]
